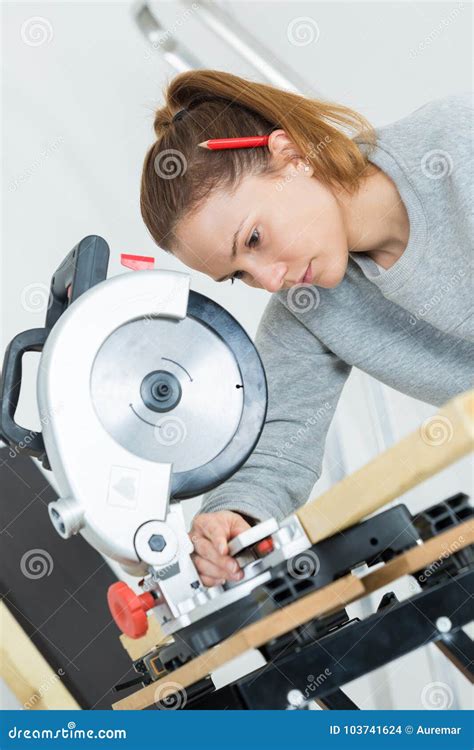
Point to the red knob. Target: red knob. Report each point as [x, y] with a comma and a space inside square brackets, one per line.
[265, 546]
[129, 609]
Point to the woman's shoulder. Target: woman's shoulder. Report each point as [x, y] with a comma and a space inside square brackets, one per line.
[452, 102]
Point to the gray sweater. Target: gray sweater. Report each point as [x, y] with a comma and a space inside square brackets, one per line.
[410, 326]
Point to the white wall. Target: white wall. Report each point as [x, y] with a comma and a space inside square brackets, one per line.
[77, 120]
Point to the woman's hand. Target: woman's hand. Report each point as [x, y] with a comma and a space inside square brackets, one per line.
[209, 534]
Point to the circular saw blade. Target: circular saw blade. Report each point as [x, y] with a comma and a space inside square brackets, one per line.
[208, 425]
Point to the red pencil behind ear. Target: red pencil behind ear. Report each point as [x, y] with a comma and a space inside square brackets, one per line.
[215, 144]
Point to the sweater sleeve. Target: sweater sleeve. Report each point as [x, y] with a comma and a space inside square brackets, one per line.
[305, 381]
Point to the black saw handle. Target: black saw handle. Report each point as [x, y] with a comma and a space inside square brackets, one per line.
[83, 267]
[24, 441]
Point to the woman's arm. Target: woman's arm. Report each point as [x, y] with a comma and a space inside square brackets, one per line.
[305, 381]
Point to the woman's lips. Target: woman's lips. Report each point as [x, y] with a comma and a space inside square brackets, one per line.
[308, 276]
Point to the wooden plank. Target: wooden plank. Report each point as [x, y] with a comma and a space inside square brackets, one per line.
[138, 647]
[454, 659]
[439, 547]
[26, 671]
[441, 440]
[330, 598]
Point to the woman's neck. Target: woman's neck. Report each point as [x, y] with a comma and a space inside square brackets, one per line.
[376, 219]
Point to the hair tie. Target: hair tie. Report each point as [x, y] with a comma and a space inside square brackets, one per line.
[179, 115]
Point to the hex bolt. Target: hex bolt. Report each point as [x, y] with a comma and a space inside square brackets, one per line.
[157, 542]
[443, 624]
[295, 698]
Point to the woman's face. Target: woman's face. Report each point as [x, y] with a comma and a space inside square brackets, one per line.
[286, 228]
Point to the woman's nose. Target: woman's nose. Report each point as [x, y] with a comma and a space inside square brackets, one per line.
[272, 276]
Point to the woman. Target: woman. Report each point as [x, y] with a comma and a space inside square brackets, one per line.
[364, 241]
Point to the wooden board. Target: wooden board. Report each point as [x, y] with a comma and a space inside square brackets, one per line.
[138, 647]
[441, 440]
[330, 598]
[26, 671]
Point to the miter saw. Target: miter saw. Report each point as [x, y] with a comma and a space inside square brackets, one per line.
[150, 393]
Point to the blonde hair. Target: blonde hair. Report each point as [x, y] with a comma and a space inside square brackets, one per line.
[178, 176]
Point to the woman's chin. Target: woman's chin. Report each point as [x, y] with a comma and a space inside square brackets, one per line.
[329, 280]
[331, 276]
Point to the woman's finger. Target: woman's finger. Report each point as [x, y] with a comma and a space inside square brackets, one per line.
[225, 563]
[208, 569]
[217, 533]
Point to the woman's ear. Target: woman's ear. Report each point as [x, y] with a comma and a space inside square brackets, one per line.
[283, 150]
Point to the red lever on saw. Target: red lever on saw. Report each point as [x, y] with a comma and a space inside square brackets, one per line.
[136, 262]
[129, 609]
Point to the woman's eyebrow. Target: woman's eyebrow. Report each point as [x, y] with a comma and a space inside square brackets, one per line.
[234, 248]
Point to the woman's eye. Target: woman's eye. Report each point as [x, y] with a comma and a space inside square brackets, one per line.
[251, 243]
[237, 275]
